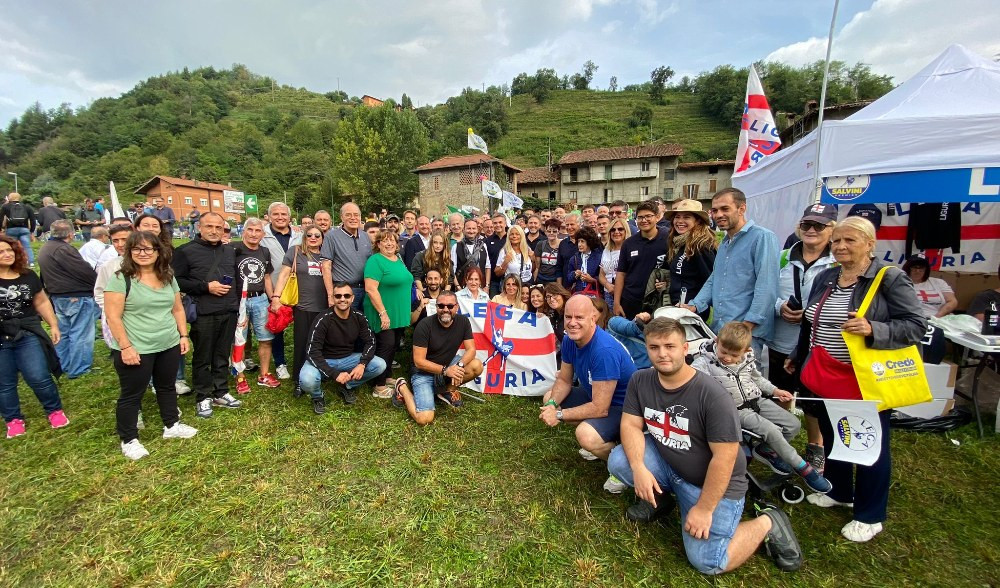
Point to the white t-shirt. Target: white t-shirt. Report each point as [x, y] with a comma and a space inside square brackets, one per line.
[521, 268]
[931, 293]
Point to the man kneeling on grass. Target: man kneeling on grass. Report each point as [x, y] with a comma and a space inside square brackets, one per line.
[603, 368]
[692, 450]
[331, 353]
[437, 368]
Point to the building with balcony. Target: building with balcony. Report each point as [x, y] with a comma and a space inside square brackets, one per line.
[631, 173]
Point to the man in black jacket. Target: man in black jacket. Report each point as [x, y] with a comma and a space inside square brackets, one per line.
[332, 356]
[204, 269]
[69, 282]
[415, 245]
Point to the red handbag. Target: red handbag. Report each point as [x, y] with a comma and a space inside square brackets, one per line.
[825, 375]
[279, 321]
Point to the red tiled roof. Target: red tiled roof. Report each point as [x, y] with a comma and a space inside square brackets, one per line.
[700, 164]
[450, 161]
[538, 175]
[181, 182]
[625, 152]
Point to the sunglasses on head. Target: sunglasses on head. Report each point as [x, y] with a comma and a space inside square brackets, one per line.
[342, 296]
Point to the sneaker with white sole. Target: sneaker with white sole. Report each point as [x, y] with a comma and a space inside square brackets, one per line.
[226, 401]
[181, 387]
[859, 532]
[614, 485]
[204, 409]
[282, 372]
[587, 455]
[824, 501]
[139, 423]
[179, 431]
[134, 450]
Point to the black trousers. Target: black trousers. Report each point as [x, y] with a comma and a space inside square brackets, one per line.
[302, 324]
[631, 307]
[212, 339]
[133, 379]
[386, 344]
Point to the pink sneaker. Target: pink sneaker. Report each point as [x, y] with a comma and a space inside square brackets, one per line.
[15, 428]
[58, 419]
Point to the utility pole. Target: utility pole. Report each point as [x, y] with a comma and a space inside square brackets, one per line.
[15, 179]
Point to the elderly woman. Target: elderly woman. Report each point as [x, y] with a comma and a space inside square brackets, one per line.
[388, 286]
[142, 303]
[584, 267]
[800, 265]
[25, 347]
[305, 261]
[893, 321]
[936, 296]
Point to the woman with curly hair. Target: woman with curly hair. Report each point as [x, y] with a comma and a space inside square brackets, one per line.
[437, 257]
[584, 268]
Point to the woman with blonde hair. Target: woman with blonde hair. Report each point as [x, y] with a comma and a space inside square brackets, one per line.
[510, 293]
[436, 257]
[515, 258]
[618, 231]
[691, 247]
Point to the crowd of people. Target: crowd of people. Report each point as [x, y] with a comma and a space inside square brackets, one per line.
[669, 427]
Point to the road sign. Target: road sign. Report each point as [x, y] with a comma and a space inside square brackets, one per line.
[250, 204]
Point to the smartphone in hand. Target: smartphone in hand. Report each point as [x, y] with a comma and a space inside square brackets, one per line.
[226, 280]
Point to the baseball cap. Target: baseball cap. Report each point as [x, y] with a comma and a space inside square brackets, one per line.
[821, 213]
[870, 212]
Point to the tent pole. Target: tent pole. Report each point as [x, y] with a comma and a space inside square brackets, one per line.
[817, 180]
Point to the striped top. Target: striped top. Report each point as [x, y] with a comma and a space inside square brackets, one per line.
[832, 316]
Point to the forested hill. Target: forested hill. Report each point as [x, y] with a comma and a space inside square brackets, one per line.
[236, 127]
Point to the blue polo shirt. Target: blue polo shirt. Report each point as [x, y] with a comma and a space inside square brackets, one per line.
[602, 359]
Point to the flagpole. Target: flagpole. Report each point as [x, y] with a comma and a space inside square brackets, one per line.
[817, 180]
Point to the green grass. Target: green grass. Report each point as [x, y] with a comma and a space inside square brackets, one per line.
[302, 102]
[272, 495]
[573, 119]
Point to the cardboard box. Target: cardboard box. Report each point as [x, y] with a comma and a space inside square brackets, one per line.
[927, 410]
[941, 378]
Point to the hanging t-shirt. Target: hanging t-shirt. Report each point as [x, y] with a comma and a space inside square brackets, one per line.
[148, 315]
[984, 300]
[931, 293]
[17, 296]
[935, 226]
[683, 421]
[548, 259]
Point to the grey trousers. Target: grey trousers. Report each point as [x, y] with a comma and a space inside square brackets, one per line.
[776, 426]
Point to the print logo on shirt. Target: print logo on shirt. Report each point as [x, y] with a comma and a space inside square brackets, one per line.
[549, 257]
[251, 270]
[315, 269]
[12, 299]
[669, 427]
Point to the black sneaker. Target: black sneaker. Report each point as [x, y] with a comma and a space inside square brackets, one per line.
[319, 406]
[644, 512]
[780, 542]
[452, 397]
[816, 457]
[350, 397]
[297, 393]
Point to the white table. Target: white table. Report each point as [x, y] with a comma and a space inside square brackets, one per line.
[974, 344]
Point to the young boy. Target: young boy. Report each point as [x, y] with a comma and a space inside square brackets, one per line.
[730, 361]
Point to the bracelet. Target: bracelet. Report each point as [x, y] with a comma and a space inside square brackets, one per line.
[124, 348]
[382, 313]
[550, 403]
[185, 337]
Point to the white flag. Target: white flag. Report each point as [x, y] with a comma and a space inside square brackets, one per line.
[476, 142]
[511, 200]
[492, 189]
[116, 208]
[759, 136]
[857, 430]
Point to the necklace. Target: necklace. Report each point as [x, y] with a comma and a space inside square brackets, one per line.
[841, 277]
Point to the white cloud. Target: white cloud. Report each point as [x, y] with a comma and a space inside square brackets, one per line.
[4, 100]
[898, 37]
[650, 13]
[415, 47]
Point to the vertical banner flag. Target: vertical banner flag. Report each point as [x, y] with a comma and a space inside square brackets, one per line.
[492, 189]
[116, 207]
[758, 134]
[857, 431]
[240, 343]
[517, 348]
[511, 200]
[476, 142]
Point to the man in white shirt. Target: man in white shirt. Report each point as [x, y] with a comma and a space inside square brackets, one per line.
[92, 250]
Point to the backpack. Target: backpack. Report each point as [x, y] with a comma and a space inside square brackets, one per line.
[18, 212]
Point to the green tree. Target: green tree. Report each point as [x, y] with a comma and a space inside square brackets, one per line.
[486, 112]
[658, 79]
[405, 101]
[721, 93]
[642, 117]
[613, 84]
[375, 150]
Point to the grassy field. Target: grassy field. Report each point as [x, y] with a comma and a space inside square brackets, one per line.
[272, 495]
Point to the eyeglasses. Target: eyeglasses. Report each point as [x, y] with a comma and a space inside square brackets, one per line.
[806, 225]
[314, 236]
[553, 297]
[643, 218]
[144, 250]
[616, 230]
[617, 212]
[446, 306]
[342, 296]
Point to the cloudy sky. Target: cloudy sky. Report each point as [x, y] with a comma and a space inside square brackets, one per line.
[79, 50]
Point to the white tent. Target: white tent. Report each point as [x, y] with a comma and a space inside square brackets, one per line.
[946, 117]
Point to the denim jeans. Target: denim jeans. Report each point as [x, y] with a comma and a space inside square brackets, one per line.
[359, 299]
[629, 335]
[76, 325]
[310, 377]
[257, 318]
[424, 385]
[27, 356]
[708, 556]
[23, 235]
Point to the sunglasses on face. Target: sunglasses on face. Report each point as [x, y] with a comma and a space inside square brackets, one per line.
[314, 236]
[617, 230]
[806, 225]
[342, 296]
[446, 306]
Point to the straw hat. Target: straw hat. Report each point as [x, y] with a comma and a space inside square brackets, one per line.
[688, 205]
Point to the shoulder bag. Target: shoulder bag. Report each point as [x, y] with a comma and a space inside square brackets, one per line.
[290, 293]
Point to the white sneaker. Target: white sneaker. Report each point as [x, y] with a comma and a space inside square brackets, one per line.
[182, 387]
[226, 401]
[204, 409]
[824, 501]
[139, 423]
[282, 372]
[859, 532]
[614, 485]
[134, 450]
[179, 431]
[587, 455]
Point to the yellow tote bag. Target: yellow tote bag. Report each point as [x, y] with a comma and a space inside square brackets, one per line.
[892, 377]
[290, 293]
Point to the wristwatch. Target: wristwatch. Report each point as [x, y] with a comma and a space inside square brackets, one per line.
[559, 416]
[461, 364]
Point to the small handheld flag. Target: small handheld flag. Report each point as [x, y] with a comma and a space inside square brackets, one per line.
[116, 208]
[492, 189]
[477, 142]
[759, 136]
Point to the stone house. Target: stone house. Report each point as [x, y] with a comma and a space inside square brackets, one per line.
[700, 180]
[456, 180]
[539, 182]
